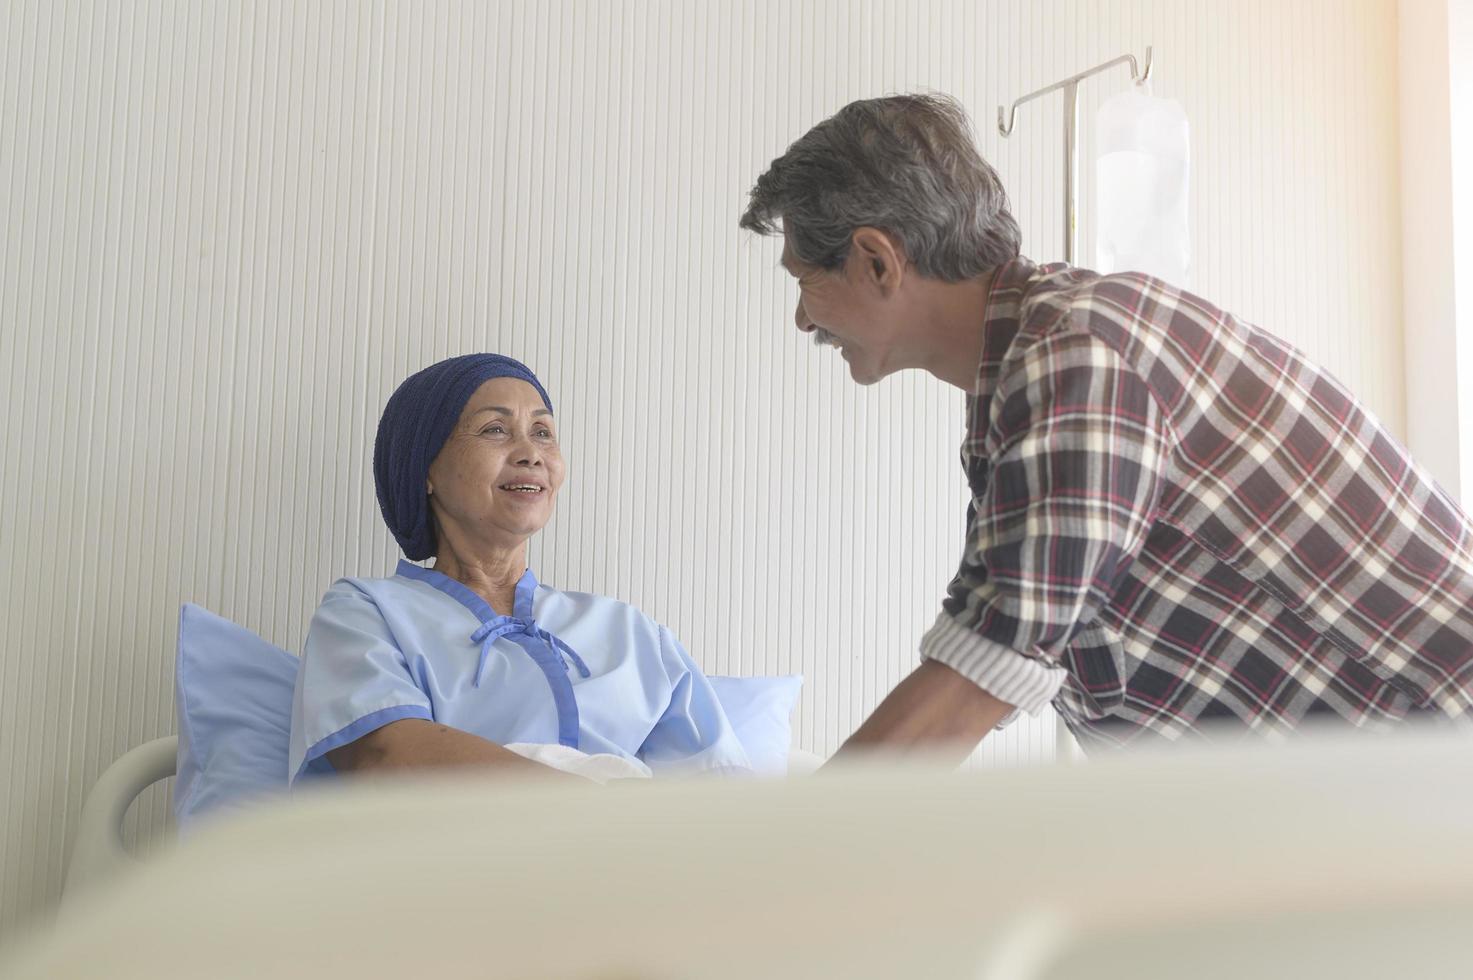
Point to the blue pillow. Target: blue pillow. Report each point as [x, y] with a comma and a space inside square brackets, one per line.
[761, 711]
[233, 691]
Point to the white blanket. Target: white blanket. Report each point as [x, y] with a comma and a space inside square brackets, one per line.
[599, 768]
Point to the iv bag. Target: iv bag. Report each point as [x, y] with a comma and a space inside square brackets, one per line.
[1141, 186]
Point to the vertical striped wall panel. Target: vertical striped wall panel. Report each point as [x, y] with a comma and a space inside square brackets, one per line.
[228, 229]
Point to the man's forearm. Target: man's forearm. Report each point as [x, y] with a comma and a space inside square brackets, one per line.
[935, 711]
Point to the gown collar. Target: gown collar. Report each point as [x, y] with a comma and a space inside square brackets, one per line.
[521, 606]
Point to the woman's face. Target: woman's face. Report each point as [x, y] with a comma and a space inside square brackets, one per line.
[495, 479]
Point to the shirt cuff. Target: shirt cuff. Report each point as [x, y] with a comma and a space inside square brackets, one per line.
[1015, 678]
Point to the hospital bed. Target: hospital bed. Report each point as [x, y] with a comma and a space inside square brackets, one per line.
[98, 850]
[1346, 857]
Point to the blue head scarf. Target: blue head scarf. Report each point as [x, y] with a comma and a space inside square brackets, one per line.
[420, 416]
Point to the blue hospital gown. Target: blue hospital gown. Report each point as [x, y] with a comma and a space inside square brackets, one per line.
[567, 667]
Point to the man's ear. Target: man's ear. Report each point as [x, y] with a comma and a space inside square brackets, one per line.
[881, 260]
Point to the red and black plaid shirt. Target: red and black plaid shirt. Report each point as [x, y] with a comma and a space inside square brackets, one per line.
[1177, 519]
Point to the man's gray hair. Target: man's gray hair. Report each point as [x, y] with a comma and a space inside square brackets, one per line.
[905, 164]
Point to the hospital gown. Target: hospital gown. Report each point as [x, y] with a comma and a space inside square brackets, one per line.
[569, 668]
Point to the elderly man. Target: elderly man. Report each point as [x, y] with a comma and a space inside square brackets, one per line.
[1179, 526]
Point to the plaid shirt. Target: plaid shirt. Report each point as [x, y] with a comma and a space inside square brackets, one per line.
[1177, 519]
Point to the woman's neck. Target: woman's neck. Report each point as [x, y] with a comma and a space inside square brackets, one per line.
[493, 576]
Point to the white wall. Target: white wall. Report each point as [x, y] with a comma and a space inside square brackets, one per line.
[1436, 131]
[227, 230]
[1460, 125]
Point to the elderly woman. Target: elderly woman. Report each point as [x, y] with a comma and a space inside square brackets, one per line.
[447, 665]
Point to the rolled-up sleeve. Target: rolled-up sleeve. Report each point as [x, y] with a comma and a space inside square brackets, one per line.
[354, 679]
[1076, 448]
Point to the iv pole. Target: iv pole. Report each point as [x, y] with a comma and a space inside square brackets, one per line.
[1070, 85]
[1005, 119]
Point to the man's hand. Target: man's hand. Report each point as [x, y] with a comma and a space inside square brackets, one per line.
[934, 711]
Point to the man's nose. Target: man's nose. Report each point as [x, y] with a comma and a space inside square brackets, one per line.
[800, 317]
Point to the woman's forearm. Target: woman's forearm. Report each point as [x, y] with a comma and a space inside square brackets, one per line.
[415, 743]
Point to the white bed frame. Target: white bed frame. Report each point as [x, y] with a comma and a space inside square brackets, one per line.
[872, 872]
[100, 853]
[99, 850]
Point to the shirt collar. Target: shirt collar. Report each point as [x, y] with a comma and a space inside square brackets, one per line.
[1000, 321]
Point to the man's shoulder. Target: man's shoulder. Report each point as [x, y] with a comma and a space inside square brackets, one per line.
[1135, 314]
[1064, 297]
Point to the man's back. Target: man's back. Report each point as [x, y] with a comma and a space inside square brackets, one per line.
[1293, 561]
